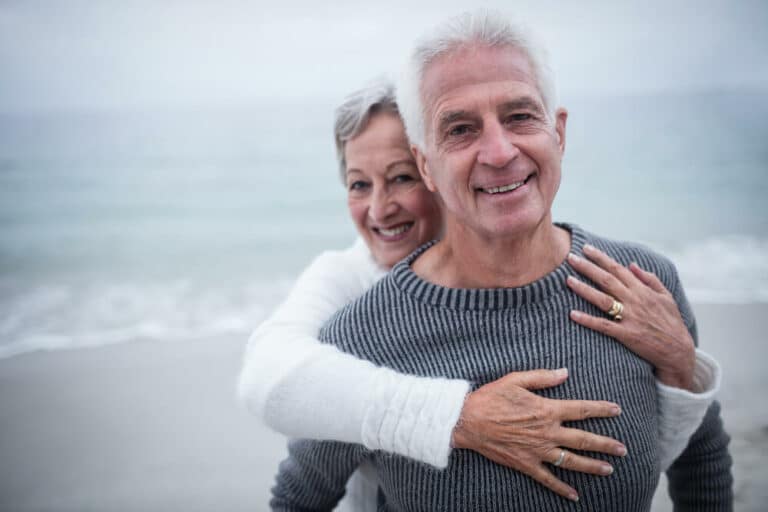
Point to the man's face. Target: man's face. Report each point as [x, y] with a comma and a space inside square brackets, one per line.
[491, 151]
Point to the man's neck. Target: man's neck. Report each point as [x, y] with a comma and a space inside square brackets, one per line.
[465, 259]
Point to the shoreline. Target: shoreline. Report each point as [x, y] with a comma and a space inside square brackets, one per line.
[155, 425]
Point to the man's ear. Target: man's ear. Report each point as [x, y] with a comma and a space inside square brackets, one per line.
[421, 163]
[561, 116]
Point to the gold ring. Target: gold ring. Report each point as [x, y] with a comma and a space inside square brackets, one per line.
[617, 308]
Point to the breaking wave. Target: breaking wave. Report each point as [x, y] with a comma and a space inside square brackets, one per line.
[731, 269]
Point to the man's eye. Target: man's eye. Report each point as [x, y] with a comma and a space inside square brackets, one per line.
[358, 185]
[520, 117]
[459, 130]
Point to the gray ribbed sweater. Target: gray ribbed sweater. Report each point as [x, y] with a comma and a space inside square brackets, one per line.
[416, 327]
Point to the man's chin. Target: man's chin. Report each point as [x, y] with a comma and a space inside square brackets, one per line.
[510, 225]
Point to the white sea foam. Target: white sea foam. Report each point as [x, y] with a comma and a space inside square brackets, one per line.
[731, 269]
[58, 317]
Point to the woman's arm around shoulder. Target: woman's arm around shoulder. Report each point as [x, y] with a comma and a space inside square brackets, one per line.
[303, 388]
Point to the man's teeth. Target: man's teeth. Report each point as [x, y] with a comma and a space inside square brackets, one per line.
[505, 188]
[395, 231]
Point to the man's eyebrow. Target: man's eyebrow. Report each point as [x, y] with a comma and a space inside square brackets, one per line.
[526, 102]
[449, 116]
[452, 115]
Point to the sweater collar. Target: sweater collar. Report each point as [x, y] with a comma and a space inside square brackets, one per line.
[486, 298]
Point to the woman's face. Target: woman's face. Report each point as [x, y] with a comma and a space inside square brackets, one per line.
[392, 209]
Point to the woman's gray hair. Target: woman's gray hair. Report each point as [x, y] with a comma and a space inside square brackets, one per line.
[353, 114]
[476, 28]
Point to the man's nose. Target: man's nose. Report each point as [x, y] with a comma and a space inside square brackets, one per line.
[382, 205]
[497, 147]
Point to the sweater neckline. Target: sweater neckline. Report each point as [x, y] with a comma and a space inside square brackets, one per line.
[486, 298]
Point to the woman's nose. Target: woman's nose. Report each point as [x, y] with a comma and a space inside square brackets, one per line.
[383, 205]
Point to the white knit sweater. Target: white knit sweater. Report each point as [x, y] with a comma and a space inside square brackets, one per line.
[288, 375]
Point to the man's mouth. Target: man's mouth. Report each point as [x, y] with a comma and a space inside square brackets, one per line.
[394, 231]
[504, 188]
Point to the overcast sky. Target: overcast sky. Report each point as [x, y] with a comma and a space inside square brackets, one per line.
[144, 54]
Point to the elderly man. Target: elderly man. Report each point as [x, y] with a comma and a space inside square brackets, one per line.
[490, 297]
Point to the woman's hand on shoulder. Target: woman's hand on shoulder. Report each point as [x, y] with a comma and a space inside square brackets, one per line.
[650, 325]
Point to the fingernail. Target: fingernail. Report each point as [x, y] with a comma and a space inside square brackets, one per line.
[588, 247]
[576, 315]
[621, 451]
[606, 470]
[573, 257]
[615, 410]
[561, 372]
[573, 496]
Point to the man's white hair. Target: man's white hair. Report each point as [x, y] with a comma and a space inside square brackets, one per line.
[476, 28]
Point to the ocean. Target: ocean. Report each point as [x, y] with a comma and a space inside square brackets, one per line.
[169, 225]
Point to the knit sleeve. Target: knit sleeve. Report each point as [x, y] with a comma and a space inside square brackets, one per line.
[288, 376]
[700, 479]
[314, 475]
[681, 411]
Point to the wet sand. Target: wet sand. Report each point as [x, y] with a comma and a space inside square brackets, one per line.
[154, 426]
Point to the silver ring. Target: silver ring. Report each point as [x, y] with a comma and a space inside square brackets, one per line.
[560, 459]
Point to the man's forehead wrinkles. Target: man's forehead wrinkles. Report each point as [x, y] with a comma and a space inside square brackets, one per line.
[448, 113]
[449, 116]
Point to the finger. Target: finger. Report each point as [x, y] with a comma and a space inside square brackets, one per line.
[583, 464]
[588, 442]
[601, 300]
[606, 281]
[648, 278]
[572, 410]
[608, 327]
[609, 264]
[536, 379]
[547, 479]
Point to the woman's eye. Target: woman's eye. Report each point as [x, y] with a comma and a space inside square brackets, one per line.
[403, 178]
[358, 185]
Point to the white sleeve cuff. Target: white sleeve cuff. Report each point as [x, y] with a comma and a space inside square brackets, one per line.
[332, 395]
[681, 411]
[414, 416]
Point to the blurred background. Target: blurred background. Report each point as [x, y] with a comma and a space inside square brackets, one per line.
[167, 168]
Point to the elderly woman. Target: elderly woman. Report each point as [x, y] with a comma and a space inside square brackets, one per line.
[289, 377]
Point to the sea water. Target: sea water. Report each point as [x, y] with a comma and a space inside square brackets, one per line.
[173, 225]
